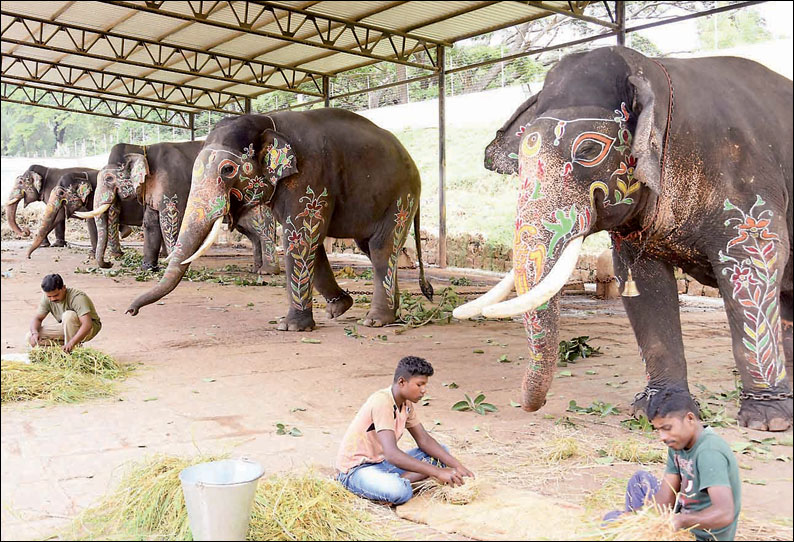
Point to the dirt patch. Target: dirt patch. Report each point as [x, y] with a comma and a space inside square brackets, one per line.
[216, 375]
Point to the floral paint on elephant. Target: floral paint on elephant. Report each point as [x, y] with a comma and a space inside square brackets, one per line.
[25, 184]
[73, 198]
[278, 158]
[405, 210]
[265, 227]
[303, 240]
[751, 260]
[169, 220]
[253, 192]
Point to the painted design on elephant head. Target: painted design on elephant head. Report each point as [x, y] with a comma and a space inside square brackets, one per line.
[751, 260]
[405, 211]
[278, 158]
[169, 220]
[83, 190]
[27, 184]
[303, 240]
[265, 227]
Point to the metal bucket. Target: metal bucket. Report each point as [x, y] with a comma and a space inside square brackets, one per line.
[218, 496]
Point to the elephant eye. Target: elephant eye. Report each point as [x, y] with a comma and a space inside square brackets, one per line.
[228, 168]
[591, 148]
[588, 150]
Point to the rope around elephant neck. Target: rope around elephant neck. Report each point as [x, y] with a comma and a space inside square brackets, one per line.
[617, 237]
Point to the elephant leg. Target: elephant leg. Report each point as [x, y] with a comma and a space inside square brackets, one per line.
[304, 230]
[787, 315]
[124, 231]
[152, 239]
[257, 249]
[91, 225]
[113, 239]
[384, 251]
[661, 347]
[60, 229]
[263, 225]
[338, 300]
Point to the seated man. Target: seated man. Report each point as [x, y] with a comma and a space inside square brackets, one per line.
[77, 318]
[701, 481]
[370, 464]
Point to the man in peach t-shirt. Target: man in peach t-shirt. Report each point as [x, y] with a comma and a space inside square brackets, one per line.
[370, 464]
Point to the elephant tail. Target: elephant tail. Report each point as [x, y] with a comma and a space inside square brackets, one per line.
[424, 284]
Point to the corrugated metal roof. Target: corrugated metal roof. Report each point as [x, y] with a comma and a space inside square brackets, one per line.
[238, 49]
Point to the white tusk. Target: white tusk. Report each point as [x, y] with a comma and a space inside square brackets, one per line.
[168, 258]
[494, 295]
[99, 211]
[544, 290]
[216, 230]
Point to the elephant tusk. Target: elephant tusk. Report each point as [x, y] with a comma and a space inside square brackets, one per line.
[494, 295]
[99, 211]
[216, 230]
[544, 290]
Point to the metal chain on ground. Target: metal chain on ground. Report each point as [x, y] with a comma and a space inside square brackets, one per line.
[766, 396]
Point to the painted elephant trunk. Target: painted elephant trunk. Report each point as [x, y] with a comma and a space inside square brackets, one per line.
[48, 220]
[11, 213]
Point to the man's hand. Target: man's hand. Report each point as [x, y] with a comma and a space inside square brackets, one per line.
[34, 339]
[464, 471]
[68, 348]
[449, 476]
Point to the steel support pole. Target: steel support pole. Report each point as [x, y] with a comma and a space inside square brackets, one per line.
[326, 91]
[192, 118]
[248, 106]
[442, 159]
[620, 15]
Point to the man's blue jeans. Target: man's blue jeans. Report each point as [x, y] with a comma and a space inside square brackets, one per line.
[381, 481]
[641, 487]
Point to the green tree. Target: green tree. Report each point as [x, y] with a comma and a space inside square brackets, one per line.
[725, 30]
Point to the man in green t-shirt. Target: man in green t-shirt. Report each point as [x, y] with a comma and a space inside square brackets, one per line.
[77, 318]
[701, 481]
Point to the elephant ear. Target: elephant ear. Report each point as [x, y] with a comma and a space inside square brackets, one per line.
[648, 136]
[139, 169]
[37, 180]
[83, 190]
[277, 157]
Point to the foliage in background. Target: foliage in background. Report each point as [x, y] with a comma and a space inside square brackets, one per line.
[577, 347]
[477, 405]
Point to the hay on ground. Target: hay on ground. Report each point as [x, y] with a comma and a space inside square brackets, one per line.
[652, 522]
[55, 376]
[148, 504]
[459, 495]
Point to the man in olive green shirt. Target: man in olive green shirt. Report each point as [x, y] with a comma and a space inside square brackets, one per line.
[77, 318]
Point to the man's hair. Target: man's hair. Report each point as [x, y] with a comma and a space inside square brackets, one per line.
[676, 401]
[412, 366]
[52, 282]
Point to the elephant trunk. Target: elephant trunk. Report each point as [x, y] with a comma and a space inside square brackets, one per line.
[195, 238]
[498, 156]
[101, 240]
[48, 222]
[11, 213]
[542, 338]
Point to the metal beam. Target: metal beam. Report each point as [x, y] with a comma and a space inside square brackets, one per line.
[553, 9]
[714, 11]
[442, 160]
[92, 105]
[326, 30]
[192, 61]
[72, 76]
[620, 12]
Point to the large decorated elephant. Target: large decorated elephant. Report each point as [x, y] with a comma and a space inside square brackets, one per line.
[686, 162]
[322, 172]
[158, 177]
[36, 184]
[74, 193]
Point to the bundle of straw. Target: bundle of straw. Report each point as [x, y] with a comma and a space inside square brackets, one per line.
[651, 522]
[450, 494]
[149, 505]
[56, 376]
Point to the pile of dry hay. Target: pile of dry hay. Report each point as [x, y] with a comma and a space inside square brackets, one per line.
[652, 522]
[450, 494]
[149, 505]
[54, 375]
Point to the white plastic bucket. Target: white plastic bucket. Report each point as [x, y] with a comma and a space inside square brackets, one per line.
[218, 496]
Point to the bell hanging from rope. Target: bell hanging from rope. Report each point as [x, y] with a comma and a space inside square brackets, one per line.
[630, 289]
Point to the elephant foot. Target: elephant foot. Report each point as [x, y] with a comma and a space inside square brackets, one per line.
[766, 415]
[267, 269]
[103, 264]
[297, 322]
[59, 243]
[339, 305]
[153, 267]
[45, 243]
[639, 407]
[376, 318]
[117, 255]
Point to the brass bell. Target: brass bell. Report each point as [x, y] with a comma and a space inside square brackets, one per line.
[630, 288]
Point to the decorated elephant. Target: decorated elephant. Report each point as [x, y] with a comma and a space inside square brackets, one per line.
[321, 172]
[36, 184]
[686, 162]
[74, 193]
[158, 177]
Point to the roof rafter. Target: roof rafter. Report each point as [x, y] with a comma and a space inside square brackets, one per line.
[94, 105]
[104, 81]
[328, 29]
[86, 41]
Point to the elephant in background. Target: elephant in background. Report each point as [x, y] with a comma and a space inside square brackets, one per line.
[258, 225]
[74, 193]
[686, 162]
[322, 172]
[37, 184]
[158, 178]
